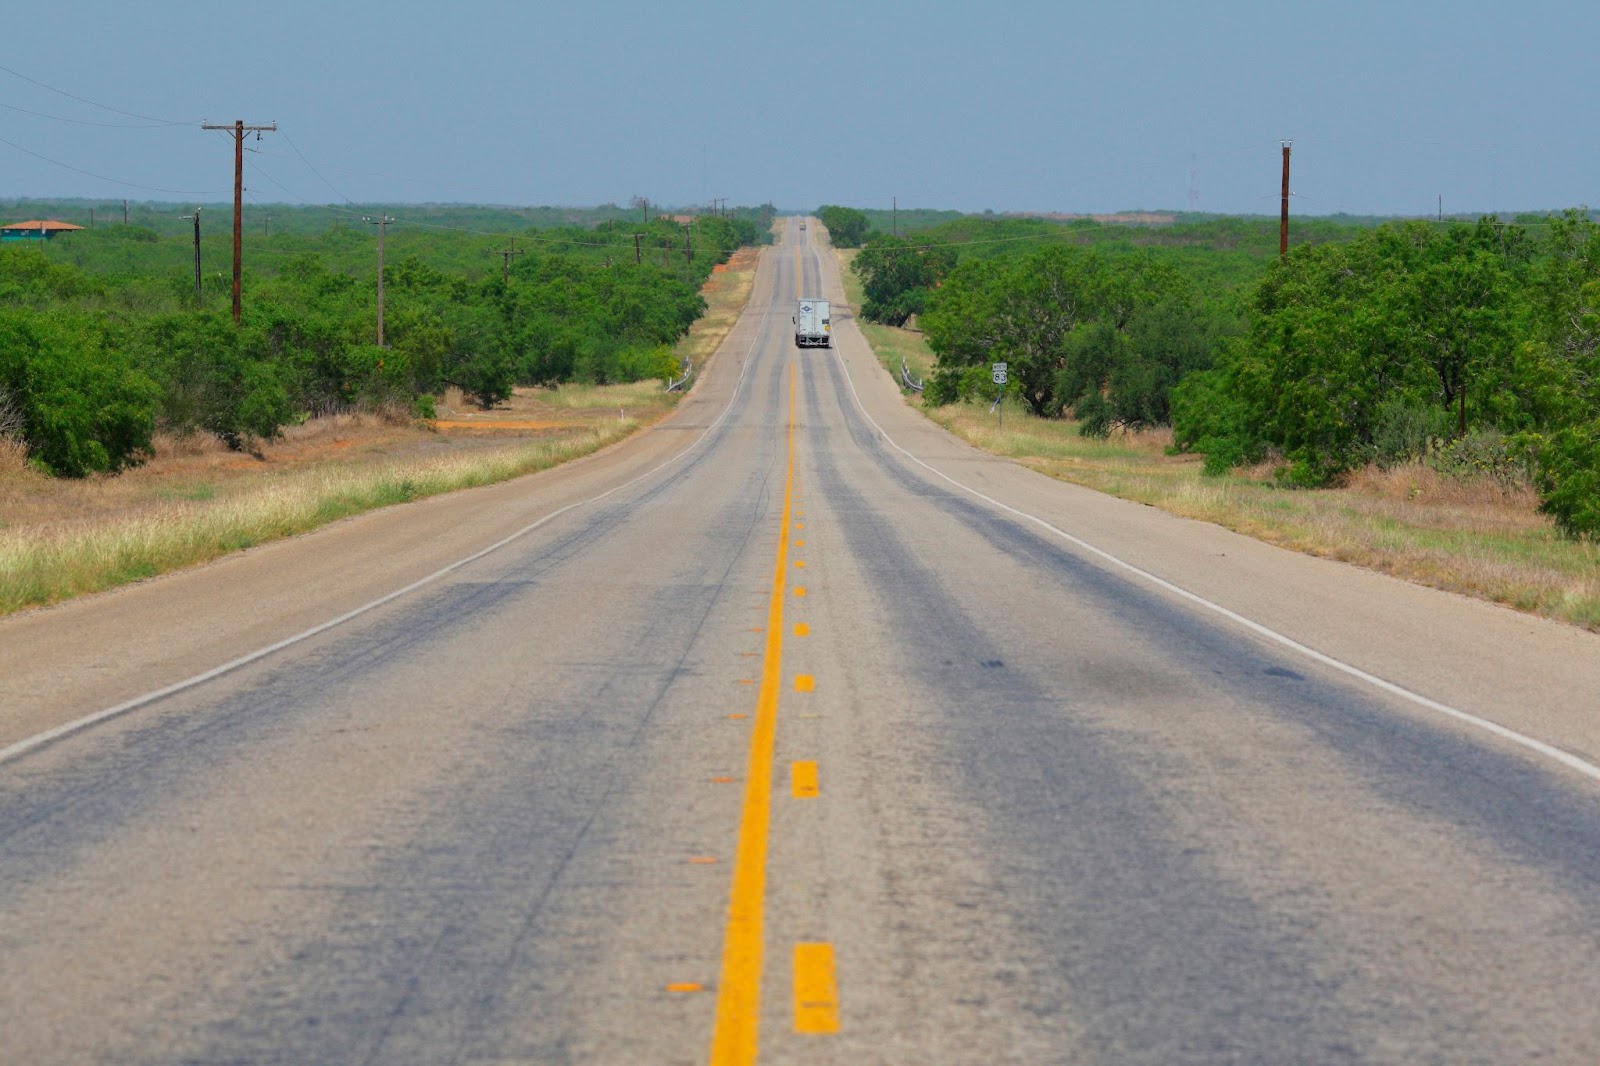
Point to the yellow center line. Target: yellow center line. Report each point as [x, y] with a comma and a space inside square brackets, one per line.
[734, 1038]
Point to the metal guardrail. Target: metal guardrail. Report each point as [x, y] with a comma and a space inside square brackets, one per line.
[688, 372]
[905, 377]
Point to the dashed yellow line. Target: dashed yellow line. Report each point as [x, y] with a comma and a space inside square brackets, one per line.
[803, 779]
[816, 991]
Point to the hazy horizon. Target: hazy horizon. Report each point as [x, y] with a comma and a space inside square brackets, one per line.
[1028, 107]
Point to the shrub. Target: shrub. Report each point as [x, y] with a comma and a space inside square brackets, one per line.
[1403, 431]
[215, 380]
[83, 407]
[1209, 417]
[638, 364]
[1483, 452]
[1094, 415]
[1569, 477]
[960, 384]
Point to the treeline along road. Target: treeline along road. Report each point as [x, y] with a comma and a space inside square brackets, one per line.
[794, 730]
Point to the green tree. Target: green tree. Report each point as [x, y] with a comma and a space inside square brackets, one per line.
[1020, 313]
[1339, 333]
[897, 276]
[847, 227]
[1108, 333]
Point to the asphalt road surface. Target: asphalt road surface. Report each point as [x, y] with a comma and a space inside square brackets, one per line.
[794, 729]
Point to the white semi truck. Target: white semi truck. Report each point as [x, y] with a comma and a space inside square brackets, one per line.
[811, 328]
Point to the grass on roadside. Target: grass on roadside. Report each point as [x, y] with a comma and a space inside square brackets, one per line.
[61, 538]
[1467, 535]
[40, 569]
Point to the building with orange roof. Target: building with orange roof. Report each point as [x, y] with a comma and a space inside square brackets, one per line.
[35, 230]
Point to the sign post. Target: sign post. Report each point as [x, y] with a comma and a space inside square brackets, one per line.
[1000, 382]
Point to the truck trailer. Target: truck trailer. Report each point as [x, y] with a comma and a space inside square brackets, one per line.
[811, 329]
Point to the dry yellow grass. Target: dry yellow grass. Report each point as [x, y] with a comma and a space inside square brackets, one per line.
[46, 563]
[1471, 535]
[13, 455]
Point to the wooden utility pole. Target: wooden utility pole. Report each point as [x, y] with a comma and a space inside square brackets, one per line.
[381, 222]
[91, 218]
[1283, 216]
[238, 129]
[124, 212]
[894, 216]
[638, 257]
[196, 217]
[688, 249]
[505, 260]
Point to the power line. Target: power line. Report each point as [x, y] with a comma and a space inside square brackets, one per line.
[102, 177]
[91, 122]
[94, 103]
[314, 170]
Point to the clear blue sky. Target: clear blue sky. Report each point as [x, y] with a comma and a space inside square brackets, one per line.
[1010, 106]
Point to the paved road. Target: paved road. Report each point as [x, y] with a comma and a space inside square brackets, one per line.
[795, 724]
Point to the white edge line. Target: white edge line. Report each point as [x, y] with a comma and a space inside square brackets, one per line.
[1549, 751]
[39, 740]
